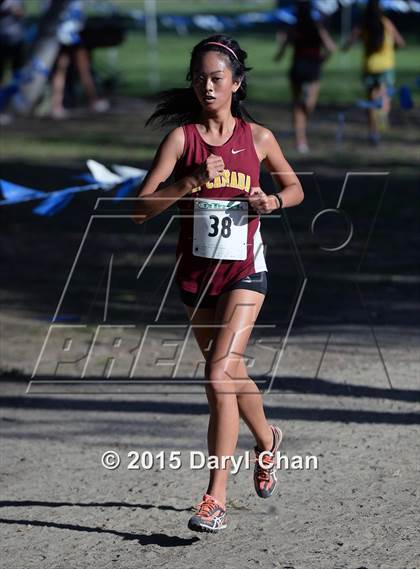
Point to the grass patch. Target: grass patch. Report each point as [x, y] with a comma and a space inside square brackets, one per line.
[268, 81]
[184, 7]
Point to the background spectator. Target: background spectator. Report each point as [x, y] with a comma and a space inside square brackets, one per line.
[379, 37]
[311, 45]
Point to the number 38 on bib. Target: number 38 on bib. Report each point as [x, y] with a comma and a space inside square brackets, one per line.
[220, 229]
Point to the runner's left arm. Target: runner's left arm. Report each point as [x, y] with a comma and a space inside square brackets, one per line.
[398, 39]
[290, 189]
[328, 43]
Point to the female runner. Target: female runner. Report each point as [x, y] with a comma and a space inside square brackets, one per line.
[312, 45]
[215, 156]
[380, 37]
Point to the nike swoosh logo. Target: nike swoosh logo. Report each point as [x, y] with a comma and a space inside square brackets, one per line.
[237, 151]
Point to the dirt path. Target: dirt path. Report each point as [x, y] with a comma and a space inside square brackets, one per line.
[346, 388]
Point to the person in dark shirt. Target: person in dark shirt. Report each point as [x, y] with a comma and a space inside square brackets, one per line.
[312, 44]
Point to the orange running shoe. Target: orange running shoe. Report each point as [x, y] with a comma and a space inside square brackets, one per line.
[210, 516]
[265, 478]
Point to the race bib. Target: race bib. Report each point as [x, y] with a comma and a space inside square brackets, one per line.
[220, 229]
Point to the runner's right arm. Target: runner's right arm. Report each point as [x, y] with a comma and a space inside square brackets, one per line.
[355, 36]
[282, 40]
[146, 205]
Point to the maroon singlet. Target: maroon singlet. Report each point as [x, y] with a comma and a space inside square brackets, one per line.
[242, 171]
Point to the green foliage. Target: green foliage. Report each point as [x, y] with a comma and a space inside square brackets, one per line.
[268, 81]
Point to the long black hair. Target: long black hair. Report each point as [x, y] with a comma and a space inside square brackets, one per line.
[373, 27]
[180, 105]
[306, 26]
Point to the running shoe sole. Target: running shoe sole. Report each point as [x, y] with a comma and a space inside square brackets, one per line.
[267, 492]
[196, 524]
[210, 516]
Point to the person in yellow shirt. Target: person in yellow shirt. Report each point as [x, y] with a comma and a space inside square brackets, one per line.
[380, 38]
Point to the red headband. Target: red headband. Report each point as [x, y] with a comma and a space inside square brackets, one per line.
[222, 45]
